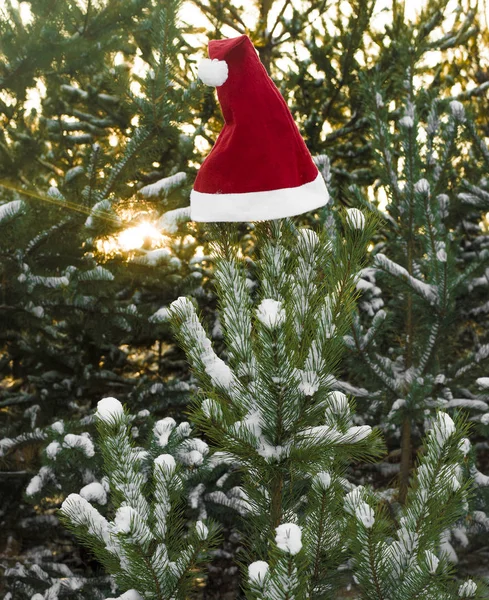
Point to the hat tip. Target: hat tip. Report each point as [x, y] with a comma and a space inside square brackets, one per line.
[213, 72]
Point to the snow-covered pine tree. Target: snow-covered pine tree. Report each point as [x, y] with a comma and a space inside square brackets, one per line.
[100, 159]
[403, 554]
[472, 307]
[270, 409]
[147, 545]
[273, 417]
[409, 331]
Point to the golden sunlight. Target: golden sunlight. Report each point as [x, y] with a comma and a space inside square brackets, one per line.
[378, 196]
[133, 238]
[136, 237]
[484, 224]
[113, 140]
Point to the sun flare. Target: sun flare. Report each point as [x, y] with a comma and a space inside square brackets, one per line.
[144, 234]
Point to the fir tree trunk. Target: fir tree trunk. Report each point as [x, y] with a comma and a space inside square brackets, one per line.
[406, 453]
[265, 53]
[276, 501]
[265, 39]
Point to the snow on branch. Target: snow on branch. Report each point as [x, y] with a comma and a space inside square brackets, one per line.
[199, 346]
[9, 210]
[425, 290]
[82, 514]
[466, 403]
[481, 354]
[170, 221]
[163, 186]
[235, 315]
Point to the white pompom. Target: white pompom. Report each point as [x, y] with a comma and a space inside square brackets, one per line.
[213, 72]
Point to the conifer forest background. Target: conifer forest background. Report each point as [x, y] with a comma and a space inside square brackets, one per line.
[103, 126]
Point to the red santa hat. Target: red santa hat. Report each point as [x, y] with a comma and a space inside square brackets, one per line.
[259, 167]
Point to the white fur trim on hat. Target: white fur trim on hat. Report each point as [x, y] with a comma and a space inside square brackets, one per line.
[258, 206]
[213, 72]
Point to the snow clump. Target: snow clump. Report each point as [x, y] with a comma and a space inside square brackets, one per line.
[289, 538]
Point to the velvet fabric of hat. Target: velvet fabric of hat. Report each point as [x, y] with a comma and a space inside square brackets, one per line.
[259, 168]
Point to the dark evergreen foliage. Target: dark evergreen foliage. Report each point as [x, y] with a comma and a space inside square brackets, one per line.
[102, 128]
